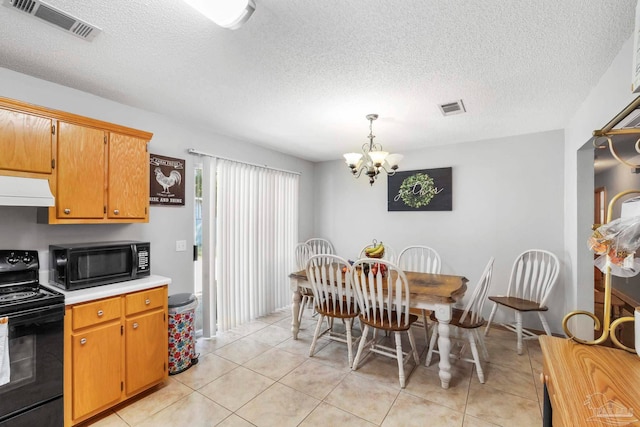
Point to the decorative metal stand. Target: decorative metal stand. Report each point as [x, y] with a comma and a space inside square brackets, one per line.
[608, 327]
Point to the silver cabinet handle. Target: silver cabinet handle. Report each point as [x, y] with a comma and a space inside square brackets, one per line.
[116, 212]
[147, 301]
[135, 325]
[83, 341]
[67, 211]
[100, 313]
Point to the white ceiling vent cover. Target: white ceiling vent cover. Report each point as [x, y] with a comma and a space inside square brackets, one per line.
[55, 17]
[450, 108]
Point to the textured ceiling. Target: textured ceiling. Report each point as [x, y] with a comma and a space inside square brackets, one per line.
[301, 75]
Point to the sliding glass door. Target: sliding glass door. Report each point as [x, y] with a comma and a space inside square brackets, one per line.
[249, 231]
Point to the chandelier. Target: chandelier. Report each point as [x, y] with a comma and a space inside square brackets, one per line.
[372, 160]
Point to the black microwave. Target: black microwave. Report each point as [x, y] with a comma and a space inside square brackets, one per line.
[83, 265]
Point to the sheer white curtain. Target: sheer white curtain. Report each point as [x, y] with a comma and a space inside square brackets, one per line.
[256, 232]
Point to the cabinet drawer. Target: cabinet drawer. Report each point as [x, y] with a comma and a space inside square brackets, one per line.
[145, 300]
[97, 312]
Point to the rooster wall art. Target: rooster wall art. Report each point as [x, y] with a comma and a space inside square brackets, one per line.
[167, 181]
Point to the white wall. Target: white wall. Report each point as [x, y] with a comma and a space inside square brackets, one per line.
[18, 227]
[606, 99]
[507, 197]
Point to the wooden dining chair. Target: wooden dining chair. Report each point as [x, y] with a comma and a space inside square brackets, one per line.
[383, 298]
[302, 254]
[468, 320]
[422, 259]
[533, 276]
[320, 246]
[334, 298]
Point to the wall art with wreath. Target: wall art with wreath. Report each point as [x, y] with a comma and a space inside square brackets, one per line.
[420, 190]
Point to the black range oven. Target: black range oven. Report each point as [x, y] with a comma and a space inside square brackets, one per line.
[35, 325]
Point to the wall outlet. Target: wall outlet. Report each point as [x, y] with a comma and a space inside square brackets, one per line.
[181, 245]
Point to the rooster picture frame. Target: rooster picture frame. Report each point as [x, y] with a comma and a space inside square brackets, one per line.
[166, 180]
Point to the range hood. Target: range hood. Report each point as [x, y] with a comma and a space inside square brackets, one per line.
[17, 191]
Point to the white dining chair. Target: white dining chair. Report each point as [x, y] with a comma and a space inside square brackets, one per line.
[422, 259]
[320, 246]
[302, 254]
[468, 320]
[383, 299]
[533, 277]
[334, 298]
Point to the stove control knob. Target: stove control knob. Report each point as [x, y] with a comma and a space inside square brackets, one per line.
[27, 258]
[12, 259]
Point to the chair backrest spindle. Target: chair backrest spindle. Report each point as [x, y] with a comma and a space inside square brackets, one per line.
[330, 278]
[533, 275]
[382, 290]
[320, 246]
[476, 302]
[421, 259]
[302, 253]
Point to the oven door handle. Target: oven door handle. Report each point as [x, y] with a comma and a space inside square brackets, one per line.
[40, 315]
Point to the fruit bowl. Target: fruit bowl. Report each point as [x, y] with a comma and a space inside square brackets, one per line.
[375, 255]
[375, 250]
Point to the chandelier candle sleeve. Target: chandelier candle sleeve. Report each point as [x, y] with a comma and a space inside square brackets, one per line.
[352, 159]
[373, 159]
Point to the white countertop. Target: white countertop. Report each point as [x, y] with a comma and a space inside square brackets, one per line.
[104, 291]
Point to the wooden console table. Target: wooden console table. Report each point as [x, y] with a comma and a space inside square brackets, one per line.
[589, 385]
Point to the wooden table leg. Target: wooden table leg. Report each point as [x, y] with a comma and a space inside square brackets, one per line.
[443, 314]
[296, 297]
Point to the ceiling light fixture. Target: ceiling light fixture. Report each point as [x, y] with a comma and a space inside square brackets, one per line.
[372, 160]
[229, 14]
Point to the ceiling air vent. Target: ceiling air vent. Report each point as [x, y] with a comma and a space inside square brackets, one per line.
[55, 17]
[450, 108]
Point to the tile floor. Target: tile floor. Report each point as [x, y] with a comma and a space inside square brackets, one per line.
[257, 375]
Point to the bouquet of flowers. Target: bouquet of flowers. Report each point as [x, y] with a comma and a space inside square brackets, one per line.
[617, 241]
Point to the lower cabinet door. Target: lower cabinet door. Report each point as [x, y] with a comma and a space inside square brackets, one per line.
[97, 370]
[145, 350]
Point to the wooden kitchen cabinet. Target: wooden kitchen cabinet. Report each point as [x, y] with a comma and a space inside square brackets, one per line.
[98, 172]
[26, 142]
[81, 168]
[145, 338]
[115, 348]
[102, 176]
[127, 178]
[97, 374]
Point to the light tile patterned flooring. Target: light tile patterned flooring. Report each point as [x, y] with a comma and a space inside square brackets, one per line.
[257, 375]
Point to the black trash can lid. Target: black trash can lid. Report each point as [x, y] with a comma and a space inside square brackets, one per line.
[179, 300]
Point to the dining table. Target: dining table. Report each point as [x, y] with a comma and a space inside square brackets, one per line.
[435, 292]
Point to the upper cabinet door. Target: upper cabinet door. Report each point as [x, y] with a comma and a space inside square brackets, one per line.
[128, 177]
[81, 169]
[25, 142]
